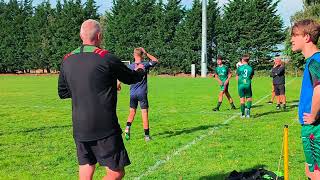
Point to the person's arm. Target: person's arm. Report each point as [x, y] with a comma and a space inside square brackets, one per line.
[281, 71]
[314, 69]
[118, 85]
[252, 74]
[123, 73]
[237, 75]
[63, 89]
[151, 57]
[229, 76]
[272, 73]
[217, 77]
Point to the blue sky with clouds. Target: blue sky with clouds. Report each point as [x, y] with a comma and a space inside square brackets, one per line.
[286, 8]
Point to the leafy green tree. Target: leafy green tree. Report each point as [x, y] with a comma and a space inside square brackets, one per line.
[250, 26]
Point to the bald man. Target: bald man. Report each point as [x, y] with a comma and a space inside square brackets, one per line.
[278, 75]
[89, 76]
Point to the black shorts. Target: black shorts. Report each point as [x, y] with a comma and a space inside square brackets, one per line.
[279, 89]
[109, 152]
[139, 98]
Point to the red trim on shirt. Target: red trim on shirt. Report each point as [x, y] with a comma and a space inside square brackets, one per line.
[101, 52]
[66, 56]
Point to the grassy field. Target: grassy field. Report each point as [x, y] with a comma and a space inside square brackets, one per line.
[189, 140]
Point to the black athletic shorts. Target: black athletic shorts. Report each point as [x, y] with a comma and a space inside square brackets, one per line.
[139, 98]
[109, 152]
[279, 89]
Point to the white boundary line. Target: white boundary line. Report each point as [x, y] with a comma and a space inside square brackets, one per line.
[152, 168]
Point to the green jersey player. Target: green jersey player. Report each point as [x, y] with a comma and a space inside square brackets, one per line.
[244, 77]
[223, 74]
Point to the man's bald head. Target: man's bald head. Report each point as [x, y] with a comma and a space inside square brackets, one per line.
[90, 32]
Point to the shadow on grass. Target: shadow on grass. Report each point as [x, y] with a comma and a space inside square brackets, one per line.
[289, 108]
[189, 130]
[223, 176]
[38, 129]
[257, 105]
[293, 101]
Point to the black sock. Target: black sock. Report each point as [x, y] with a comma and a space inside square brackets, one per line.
[242, 108]
[219, 104]
[128, 124]
[146, 132]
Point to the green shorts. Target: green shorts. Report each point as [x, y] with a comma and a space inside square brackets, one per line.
[311, 145]
[244, 91]
[224, 87]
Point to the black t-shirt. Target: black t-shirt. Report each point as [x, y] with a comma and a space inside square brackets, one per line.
[89, 76]
[278, 75]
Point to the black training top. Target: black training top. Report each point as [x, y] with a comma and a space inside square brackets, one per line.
[88, 76]
[278, 74]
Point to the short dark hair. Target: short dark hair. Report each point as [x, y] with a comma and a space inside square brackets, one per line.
[246, 57]
[219, 57]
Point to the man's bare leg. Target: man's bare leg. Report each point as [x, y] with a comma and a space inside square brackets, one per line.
[230, 99]
[145, 120]
[220, 98]
[278, 102]
[86, 172]
[283, 101]
[131, 116]
[114, 174]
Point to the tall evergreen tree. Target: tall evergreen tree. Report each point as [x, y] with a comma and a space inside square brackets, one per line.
[250, 26]
[3, 24]
[119, 29]
[91, 10]
[42, 37]
[13, 21]
[213, 18]
[187, 41]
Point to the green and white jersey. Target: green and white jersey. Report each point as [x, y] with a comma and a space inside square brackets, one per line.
[222, 72]
[245, 74]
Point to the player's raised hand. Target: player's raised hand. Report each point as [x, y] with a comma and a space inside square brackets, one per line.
[143, 50]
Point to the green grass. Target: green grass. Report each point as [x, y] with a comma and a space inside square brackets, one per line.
[36, 132]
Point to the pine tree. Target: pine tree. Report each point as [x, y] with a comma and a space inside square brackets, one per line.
[250, 26]
[213, 18]
[3, 65]
[121, 31]
[187, 41]
[91, 10]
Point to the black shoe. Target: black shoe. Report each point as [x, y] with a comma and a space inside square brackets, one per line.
[284, 107]
[278, 107]
[269, 102]
[233, 107]
[215, 109]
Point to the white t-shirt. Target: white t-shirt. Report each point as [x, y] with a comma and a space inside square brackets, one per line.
[239, 64]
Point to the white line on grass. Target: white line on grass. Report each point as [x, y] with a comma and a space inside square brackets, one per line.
[152, 168]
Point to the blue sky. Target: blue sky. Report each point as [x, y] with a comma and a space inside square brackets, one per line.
[286, 8]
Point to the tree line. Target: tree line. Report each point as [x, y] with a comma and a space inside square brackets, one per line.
[37, 37]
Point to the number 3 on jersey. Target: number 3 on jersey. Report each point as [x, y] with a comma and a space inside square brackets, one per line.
[245, 73]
